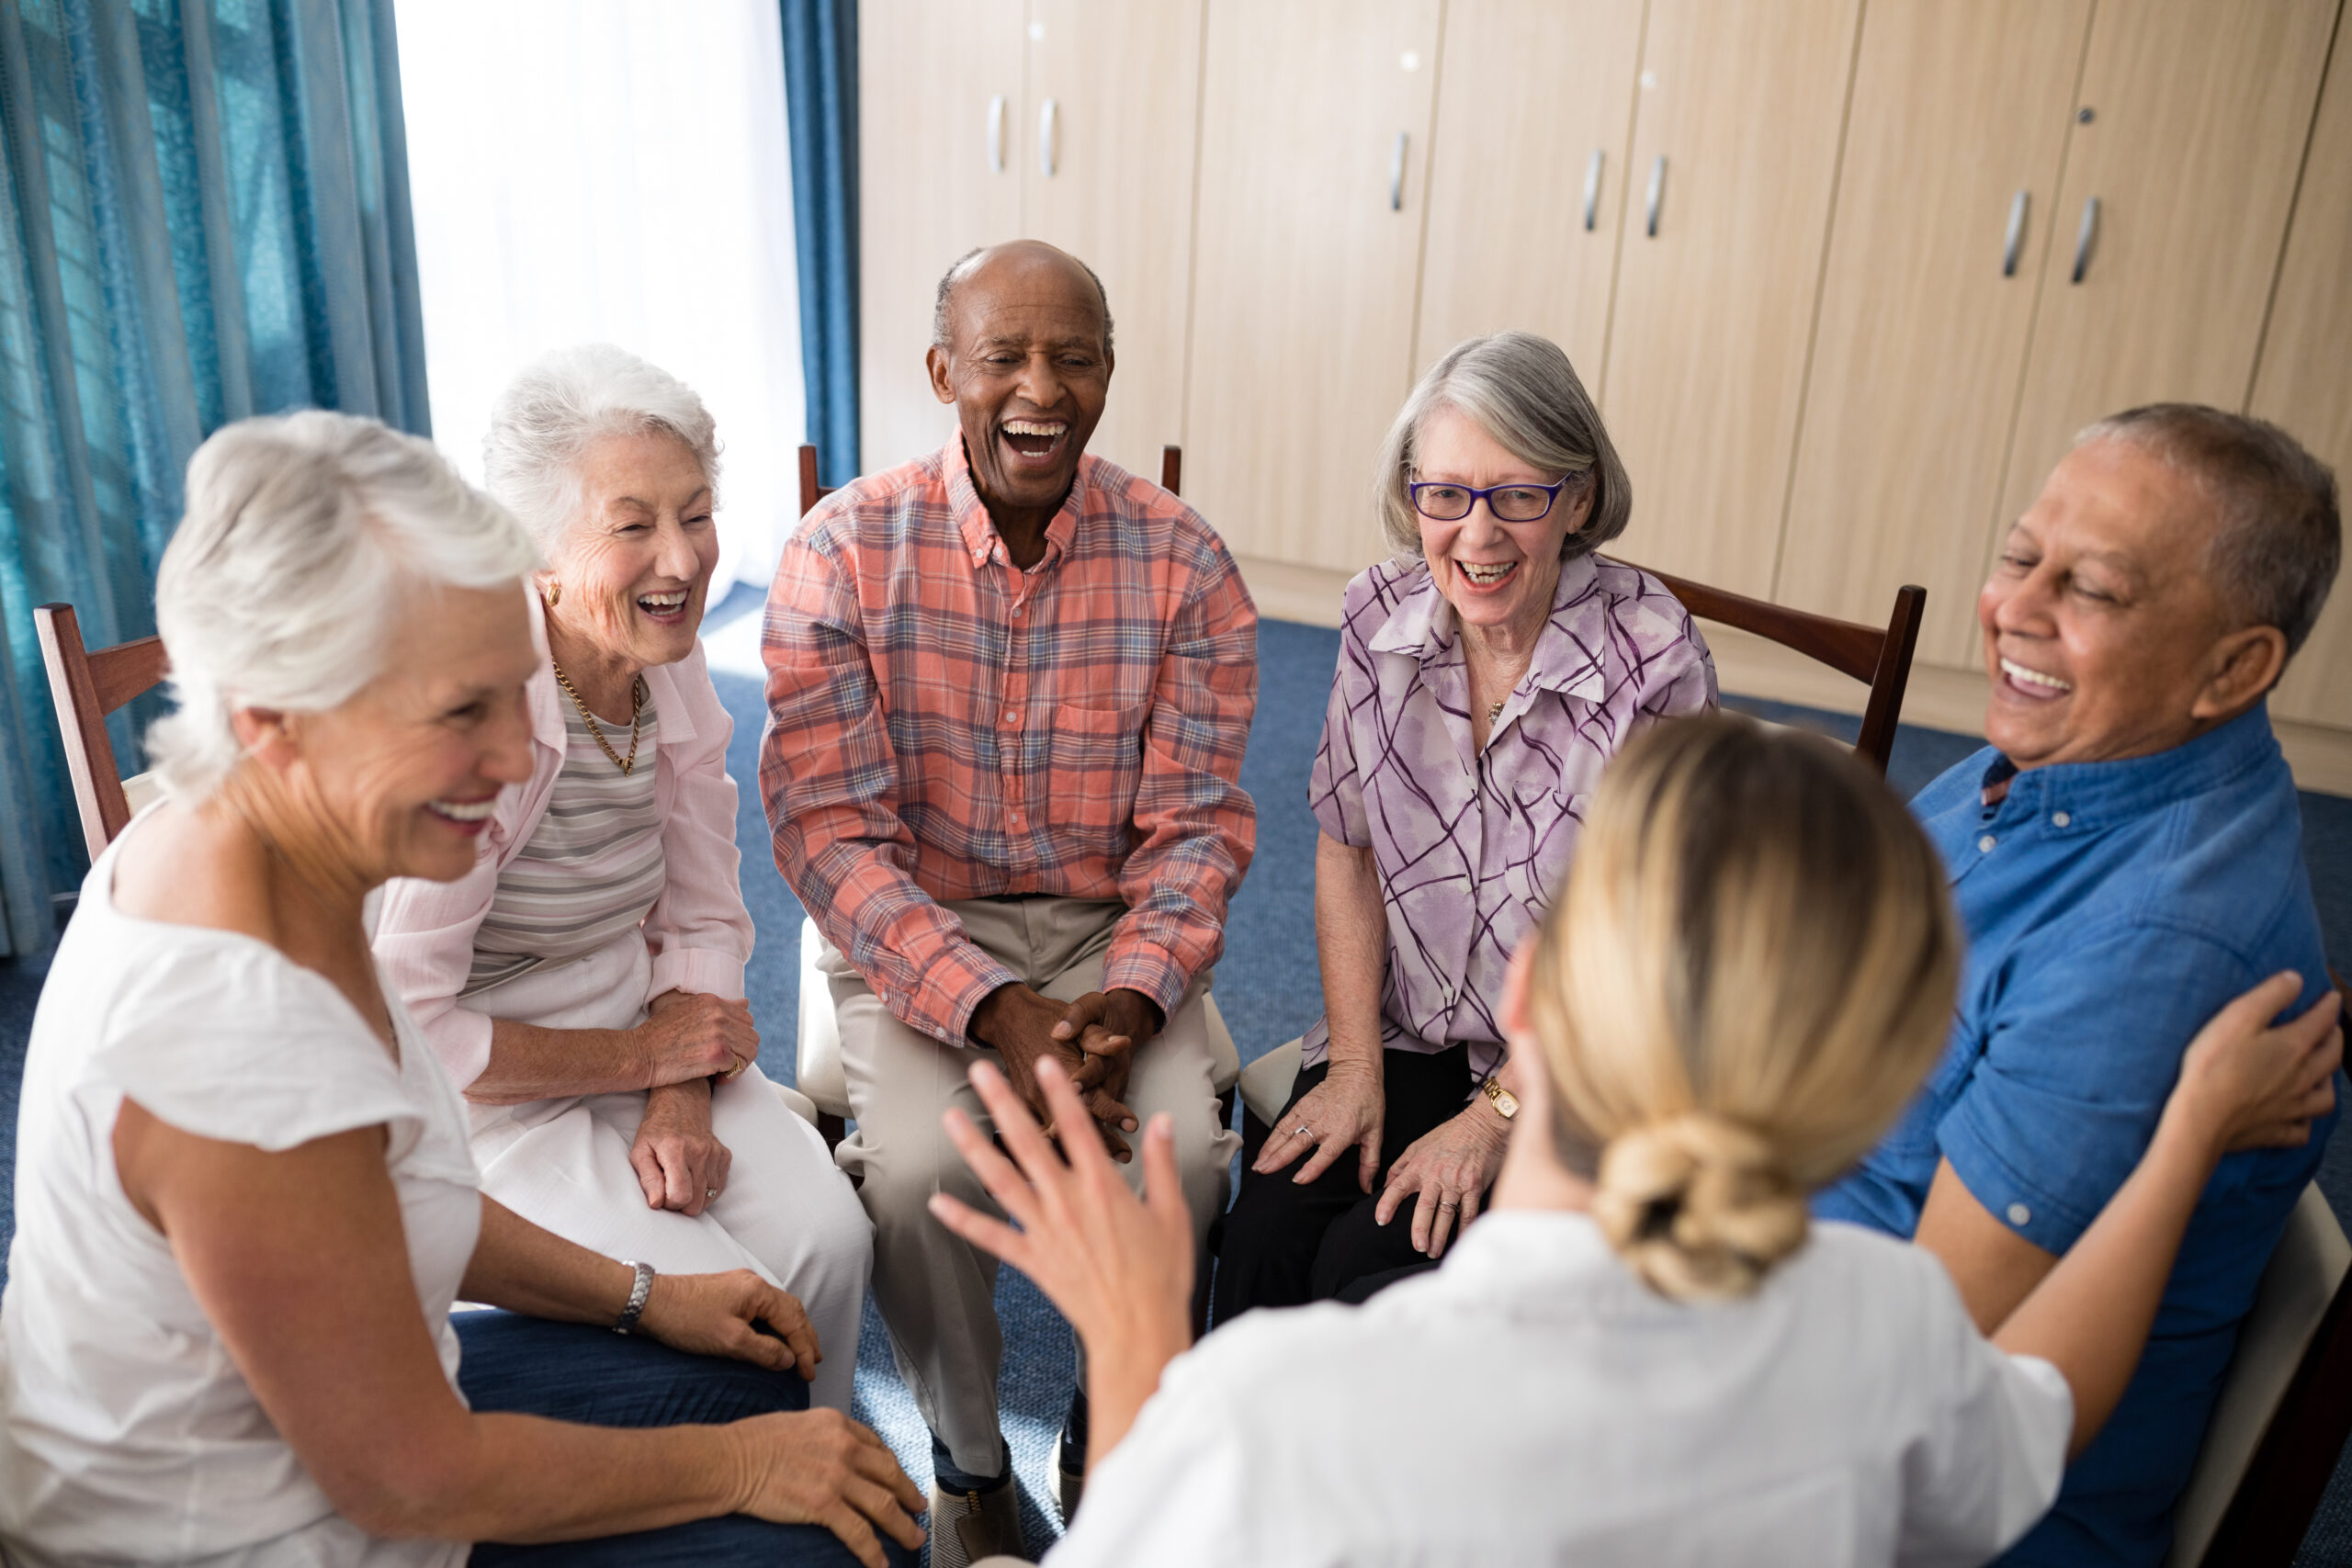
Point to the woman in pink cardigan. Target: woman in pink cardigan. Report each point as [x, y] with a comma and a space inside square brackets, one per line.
[583, 985]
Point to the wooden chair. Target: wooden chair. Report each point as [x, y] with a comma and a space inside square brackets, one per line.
[1171, 474]
[1879, 657]
[817, 1058]
[86, 687]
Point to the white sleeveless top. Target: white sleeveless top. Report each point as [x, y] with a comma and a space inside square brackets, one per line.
[125, 1432]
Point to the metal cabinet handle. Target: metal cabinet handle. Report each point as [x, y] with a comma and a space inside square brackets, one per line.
[1046, 140]
[1592, 191]
[1397, 177]
[1657, 192]
[2083, 238]
[2009, 242]
[996, 133]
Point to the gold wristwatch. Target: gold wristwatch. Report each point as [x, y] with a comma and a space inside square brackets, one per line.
[1505, 1101]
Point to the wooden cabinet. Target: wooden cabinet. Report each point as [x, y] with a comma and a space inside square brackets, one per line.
[1315, 135]
[2192, 123]
[2304, 382]
[1112, 113]
[1945, 205]
[985, 120]
[1541, 88]
[939, 91]
[1736, 113]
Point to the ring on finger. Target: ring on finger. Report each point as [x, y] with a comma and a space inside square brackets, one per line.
[1302, 1130]
[709, 1194]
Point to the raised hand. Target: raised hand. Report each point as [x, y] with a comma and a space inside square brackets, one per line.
[1119, 1267]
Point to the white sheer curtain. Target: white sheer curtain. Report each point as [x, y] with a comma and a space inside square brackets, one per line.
[615, 170]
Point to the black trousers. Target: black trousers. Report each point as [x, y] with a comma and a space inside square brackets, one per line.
[1286, 1244]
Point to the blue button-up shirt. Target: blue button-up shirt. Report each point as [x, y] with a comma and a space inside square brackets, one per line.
[2111, 910]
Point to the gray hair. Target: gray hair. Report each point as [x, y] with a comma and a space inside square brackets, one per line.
[2279, 536]
[1521, 390]
[943, 305]
[555, 411]
[305, 533]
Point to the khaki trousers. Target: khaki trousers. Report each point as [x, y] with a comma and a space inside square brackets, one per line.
[936, 1293]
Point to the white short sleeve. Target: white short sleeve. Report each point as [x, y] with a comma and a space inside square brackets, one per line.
[1172, 1493]
[1990, 1462]
[222, 1037]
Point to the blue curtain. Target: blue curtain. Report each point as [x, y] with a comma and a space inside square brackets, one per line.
[820, 100]
[203, 215]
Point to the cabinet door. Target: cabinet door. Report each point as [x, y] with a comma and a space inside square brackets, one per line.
[2198, 115]
[1735, 122]
[2305, 379]
[1308, 251]
[930, 74]
[1115, 188]
[1527, 176]
[1953, 144]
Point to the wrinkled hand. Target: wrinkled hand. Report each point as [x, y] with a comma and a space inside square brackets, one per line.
[1110, 1260]
[1346, 1111]
[714, 1314]
[687, 1035]
[678, 1160]
[2245, 1086]
[1450, 1168]
[1020, 1025]
[1110, 1027]
[819, 1466]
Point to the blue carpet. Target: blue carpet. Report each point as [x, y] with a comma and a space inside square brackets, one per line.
[1270, 991]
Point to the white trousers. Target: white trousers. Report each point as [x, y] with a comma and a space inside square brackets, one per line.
[786, 1212]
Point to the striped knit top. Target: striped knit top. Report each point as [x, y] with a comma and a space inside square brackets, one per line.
[590, 871]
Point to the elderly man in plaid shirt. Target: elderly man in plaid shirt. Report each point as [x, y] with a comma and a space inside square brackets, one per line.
[1009, 688]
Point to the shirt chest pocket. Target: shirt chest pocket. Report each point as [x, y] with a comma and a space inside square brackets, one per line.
[1094, 764]
[1539, 835]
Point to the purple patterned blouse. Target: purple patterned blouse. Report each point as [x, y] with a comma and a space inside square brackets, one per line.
[1471, 853]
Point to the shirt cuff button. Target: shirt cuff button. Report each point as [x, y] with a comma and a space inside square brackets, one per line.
[2060, 819]
[2020, 1214]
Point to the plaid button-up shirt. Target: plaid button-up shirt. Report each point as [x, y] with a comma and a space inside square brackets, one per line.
[942, 724]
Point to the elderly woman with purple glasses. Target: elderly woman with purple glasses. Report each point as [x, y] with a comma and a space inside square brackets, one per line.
[1488, 672]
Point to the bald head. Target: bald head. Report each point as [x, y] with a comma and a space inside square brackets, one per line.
[1023, 266]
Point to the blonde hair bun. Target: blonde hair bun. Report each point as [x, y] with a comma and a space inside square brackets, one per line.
[1698, 1206]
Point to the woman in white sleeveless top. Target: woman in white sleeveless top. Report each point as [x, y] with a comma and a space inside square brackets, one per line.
[246, 1201]
[1645, 1353]
[584, 984]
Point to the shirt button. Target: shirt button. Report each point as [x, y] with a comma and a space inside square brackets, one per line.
[2060, 819]
[1986, 843]
[1010, 717]
[1018, 608]
[2020, 1214]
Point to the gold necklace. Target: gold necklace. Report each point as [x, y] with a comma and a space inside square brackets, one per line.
[635, 716]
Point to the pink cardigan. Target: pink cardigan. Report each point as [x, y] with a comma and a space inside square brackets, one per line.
[699, 933]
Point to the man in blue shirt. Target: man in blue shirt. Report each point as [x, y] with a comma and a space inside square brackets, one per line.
[2126, 857]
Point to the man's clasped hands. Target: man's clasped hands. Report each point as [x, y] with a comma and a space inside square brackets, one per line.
[1094, 1040]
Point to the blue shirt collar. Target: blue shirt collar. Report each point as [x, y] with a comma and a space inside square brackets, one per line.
[2096, 794]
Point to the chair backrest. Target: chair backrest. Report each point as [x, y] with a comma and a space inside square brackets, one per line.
[1879, 656]
[86, 687]
[2284, 1409]
[1171, 475]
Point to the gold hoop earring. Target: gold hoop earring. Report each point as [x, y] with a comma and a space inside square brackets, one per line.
[554, 595]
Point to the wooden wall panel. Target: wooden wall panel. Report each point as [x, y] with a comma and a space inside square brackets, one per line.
[1744, 100]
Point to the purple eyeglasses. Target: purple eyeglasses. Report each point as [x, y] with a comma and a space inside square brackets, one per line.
[1442, 503]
